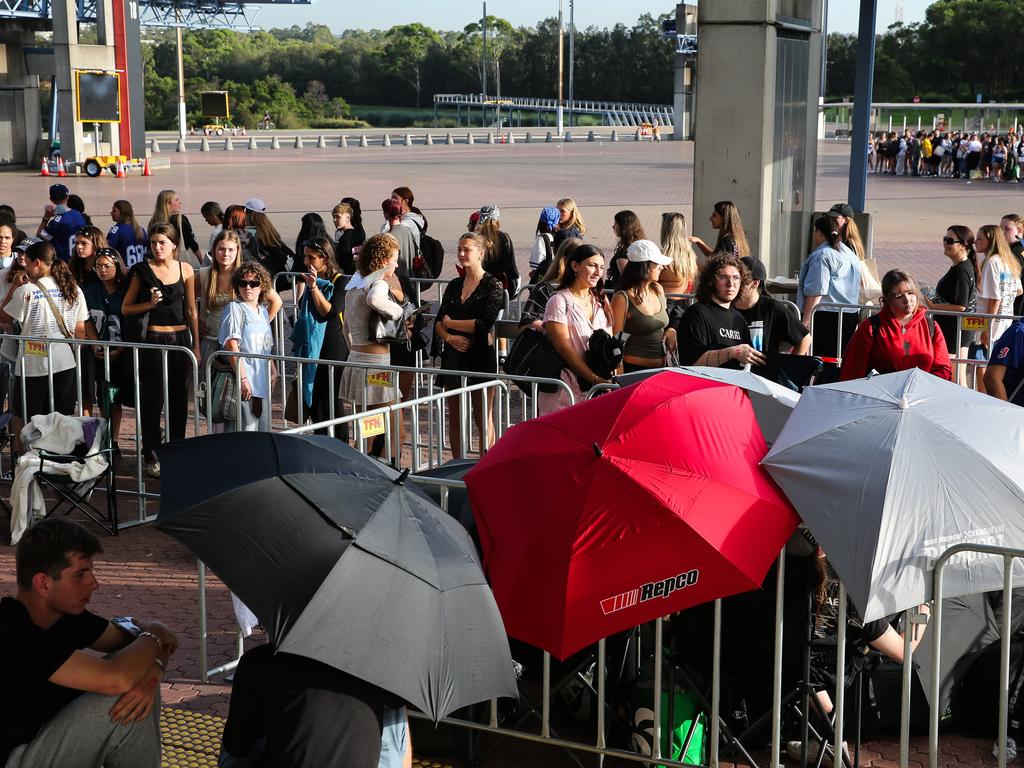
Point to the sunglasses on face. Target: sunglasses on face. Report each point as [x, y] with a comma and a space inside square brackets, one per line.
[249, 283]
[951, 241]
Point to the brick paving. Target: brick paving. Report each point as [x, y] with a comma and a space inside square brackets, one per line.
[145, 573]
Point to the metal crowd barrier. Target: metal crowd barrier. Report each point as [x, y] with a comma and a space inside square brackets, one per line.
[135, 348]
[855, 313]
[424, 382]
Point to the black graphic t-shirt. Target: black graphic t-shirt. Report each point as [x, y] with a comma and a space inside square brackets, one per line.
[705, 327]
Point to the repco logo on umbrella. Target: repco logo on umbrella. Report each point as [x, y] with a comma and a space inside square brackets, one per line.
[649, 591]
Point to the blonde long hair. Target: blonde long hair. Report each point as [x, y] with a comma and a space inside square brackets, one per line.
[162, 213]
[675, 243]
[997, 246]
[575, 217]
[851, 236]
[215, 270]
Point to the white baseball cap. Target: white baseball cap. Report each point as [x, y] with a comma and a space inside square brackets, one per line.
[646, 250]
[256, 204]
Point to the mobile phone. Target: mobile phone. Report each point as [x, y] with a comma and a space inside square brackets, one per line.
[127, 624]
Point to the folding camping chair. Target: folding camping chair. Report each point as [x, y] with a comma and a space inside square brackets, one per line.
[78, 495]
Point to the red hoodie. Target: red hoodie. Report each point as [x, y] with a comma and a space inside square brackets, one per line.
[896, 348]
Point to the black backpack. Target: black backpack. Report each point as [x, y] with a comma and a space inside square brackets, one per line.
[431, 250]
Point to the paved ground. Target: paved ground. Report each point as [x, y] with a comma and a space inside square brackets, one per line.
[145, 573]
[911, 214]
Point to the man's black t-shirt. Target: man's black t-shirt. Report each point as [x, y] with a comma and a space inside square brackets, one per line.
[780, 326]
[311, 715]
[708, 326]
[27, 699]
[958, 286]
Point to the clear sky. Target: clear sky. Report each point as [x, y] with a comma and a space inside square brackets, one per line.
[456, 14]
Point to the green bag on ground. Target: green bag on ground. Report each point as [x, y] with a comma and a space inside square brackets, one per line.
[685, 713]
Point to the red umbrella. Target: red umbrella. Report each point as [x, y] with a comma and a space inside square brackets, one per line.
[645, 501]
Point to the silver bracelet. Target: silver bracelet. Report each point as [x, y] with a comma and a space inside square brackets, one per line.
[160, 664]
[157, 640]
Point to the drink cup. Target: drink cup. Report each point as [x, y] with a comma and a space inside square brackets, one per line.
[757, 335]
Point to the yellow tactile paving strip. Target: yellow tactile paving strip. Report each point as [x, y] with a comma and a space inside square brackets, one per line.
[193, 739]
[189, 738]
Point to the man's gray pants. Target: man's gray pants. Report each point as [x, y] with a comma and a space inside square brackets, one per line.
[82, 735]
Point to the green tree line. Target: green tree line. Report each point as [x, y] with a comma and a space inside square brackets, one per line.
[961, 49]
[309, 76]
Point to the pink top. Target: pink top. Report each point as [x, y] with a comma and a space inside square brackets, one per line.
[562, 308]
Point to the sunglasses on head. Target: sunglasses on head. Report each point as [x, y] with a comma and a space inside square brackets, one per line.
[314, 245]
[249, 283]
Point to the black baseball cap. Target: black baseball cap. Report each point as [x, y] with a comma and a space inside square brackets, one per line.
[756, 267]
[58, 192]
[841, 209]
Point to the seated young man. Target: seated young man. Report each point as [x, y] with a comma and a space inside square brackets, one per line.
[61, 705]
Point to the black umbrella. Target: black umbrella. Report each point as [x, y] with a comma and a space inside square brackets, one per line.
[341, 562]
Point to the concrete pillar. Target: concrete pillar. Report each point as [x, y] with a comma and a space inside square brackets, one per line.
[615, 135]
[204, 145]
[275, 143]
[362, 140]
[685, 76]
[154, 147]
[387, 139]
[408, 140]
[449, 139]
[229, 145]
[428, 140]
[298, 142]
[252, 143]
[343, 142]
[764, 106]
[321, 143]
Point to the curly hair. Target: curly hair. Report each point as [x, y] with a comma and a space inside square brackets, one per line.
[255, 269]
[708, 275]
[377, 252]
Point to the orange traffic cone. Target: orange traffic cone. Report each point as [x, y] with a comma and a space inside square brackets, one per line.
[120, 169]
[61, 170]
[145, 168]
[45, 170]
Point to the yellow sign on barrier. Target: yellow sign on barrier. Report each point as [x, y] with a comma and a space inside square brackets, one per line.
[973, 324]
[371, 426]
[380, 379]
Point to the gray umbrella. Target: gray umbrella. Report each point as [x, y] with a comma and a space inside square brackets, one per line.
[890, 471]
[970, 624]
[772, 402]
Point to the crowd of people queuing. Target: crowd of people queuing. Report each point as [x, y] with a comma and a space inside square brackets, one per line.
[673, 299]
[947, 154]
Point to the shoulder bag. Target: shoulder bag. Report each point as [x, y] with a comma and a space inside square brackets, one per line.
[533, 355]
[384, 330]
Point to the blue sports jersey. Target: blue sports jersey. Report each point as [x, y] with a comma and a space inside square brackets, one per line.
[60, 232]
[1009, 351]
[121, 237]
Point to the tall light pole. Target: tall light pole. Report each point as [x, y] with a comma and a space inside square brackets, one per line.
[182, 127]
[483, 63]
[561, 43]
[572, 59]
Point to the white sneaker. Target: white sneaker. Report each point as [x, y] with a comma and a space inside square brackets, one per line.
[793, 752]
[153, 469]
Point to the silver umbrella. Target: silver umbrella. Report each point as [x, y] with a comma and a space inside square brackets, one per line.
[890, 471]
[772, 403]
